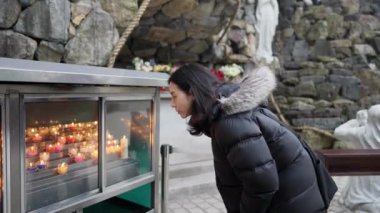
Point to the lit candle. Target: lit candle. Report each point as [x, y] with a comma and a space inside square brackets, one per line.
[79, 137]
[124, 147]
[53, 130]
[30, 132]
[115, 142]
[70, 139]
[73, 151]
[94, 155]
[31, 167]
[109, 136]
[78, 158]
[41, 164]
[72, 126]
[124, 141]
[62, 168]
[91, 147]
[36, 138]
[95, 136]
[44, 156]
[50, 148]
[109, 150]
[61, 139]
[83, 148]
[31, 151]
[43, 131]
[117, 148]
[58, 147]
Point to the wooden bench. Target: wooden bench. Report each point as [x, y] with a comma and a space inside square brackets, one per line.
[351, 162]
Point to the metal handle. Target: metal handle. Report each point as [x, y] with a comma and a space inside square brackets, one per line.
[166, 149]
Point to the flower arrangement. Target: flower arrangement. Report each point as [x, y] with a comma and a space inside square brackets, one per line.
[150, 66]
[231, 71]
[219, 74]
[227, 72]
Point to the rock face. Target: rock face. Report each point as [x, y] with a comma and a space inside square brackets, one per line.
[96, 32]
[172, 27]
[9, 12]
[16, 45]
[121, 11]
[46, 19]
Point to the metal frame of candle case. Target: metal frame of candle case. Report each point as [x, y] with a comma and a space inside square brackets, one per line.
[23, 81]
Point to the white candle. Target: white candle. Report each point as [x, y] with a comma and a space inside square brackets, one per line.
[44, 156]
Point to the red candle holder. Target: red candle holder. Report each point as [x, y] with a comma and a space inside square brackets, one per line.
[36, 138]
[31, 151]
[58, 147]
[78, 158]
[61, 139]
[70, 139]
[50, 148]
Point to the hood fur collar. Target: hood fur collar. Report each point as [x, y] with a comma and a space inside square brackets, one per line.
[255, 88]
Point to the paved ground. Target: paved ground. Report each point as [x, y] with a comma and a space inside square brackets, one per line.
[211, 202]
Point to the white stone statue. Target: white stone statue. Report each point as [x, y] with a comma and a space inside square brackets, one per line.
[267, 12]
[362, 193]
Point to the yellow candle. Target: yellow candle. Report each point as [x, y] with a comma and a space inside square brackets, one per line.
[94, 155]
[30, 132]
[62, 168]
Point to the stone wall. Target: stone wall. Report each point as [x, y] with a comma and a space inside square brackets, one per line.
[174, 31]
[85, 31]
[78, 32]
[330, 59]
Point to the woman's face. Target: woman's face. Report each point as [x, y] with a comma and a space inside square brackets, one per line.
[181, 101]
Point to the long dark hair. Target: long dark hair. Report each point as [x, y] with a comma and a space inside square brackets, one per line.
[198, 81]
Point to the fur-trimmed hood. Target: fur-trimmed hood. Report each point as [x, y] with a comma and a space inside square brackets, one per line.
[254, 89]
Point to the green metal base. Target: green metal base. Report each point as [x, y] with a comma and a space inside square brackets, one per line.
[116, 205]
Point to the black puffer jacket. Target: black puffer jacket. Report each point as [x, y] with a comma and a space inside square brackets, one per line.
[260, 166]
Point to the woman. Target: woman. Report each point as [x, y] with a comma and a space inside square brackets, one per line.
[260, 166]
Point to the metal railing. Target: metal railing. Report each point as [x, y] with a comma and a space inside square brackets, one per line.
[166, 150]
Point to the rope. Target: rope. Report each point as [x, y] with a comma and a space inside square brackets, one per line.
[230, 22]
[120, 43]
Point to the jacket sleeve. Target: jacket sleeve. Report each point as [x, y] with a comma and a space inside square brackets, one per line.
[249, 156]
